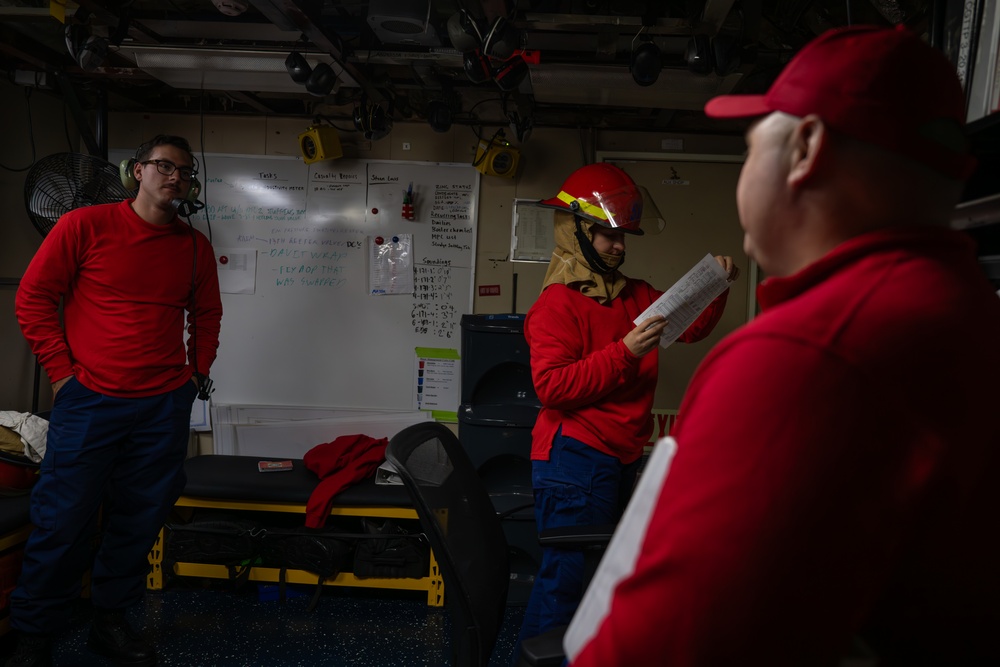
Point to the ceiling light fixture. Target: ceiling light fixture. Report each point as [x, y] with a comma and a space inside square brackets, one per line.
[226, 69]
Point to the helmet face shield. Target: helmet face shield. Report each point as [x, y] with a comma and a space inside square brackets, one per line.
[653, 221]
[615, 209]
[601, 193]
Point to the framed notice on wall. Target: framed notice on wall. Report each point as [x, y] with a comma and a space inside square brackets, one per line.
[532, 237]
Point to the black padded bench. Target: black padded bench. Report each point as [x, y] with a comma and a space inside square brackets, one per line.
[234, 483]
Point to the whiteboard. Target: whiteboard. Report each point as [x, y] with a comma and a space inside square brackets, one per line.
[311, 333]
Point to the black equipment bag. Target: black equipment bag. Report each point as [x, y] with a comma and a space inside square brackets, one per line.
[324, 553]
[217, 538]
[389, 551]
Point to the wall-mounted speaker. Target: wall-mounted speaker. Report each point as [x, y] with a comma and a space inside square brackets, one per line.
[320, 143]
[496, 158]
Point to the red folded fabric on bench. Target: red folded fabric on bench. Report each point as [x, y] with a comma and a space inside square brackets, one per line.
[339, 464]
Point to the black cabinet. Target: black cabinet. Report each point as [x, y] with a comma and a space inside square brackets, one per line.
[497, 412]
[498, 400]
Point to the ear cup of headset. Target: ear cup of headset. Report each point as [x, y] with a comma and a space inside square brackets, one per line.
[463, 32]
[194, 191]
[502, 39]
[510, 73]
[477, 66]
[95, 50]
[75, 34]
[439, 116]
[361, 116]
[86, 49]
[382, 128]
[126, 173]
[358, 122]
[378, 123]
[372, 120]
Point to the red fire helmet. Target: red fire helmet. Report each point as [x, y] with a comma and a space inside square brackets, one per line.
[601, 193]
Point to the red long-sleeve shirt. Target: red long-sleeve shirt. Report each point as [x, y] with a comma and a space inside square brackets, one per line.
[835, 474]
[125, 286]
[586, 379]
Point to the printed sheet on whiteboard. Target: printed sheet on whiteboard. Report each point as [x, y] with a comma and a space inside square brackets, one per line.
[237, 270]
[391, 265]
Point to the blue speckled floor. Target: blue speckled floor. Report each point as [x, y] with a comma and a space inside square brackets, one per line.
[220, 628]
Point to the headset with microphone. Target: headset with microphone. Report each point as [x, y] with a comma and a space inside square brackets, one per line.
[186, 206]
[373, 121]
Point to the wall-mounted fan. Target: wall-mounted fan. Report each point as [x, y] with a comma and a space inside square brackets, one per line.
[65, 181]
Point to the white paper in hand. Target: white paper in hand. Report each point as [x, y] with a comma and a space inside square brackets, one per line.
[687, 298]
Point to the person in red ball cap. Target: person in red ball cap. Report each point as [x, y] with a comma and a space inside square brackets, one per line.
[833, 482]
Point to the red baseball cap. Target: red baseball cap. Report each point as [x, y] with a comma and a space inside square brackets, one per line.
[880, 85]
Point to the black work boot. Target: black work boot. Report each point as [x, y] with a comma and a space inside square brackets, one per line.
[113, 637]
[32, 651]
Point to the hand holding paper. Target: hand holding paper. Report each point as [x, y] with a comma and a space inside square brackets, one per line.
[726, 262]
[683, 302]
[642, 340]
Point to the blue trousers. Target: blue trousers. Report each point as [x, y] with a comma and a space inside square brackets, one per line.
[577, 486]
[122, 456]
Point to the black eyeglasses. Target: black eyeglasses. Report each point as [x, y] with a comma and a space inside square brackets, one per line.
[166, 167]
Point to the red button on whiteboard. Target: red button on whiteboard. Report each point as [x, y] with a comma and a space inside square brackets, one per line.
[223, 260]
